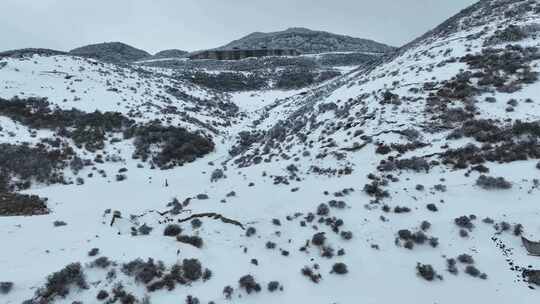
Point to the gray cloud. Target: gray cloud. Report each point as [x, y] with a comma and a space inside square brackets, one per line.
[155, 25]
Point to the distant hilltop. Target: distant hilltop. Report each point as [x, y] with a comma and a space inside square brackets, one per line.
[307, 41]
[116, 52]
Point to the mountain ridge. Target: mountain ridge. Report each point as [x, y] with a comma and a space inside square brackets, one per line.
[115, 52]
[308, 41]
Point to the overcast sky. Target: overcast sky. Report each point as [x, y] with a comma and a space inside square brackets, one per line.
[155, 25]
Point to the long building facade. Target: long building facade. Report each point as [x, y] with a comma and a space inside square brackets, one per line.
[237, 54]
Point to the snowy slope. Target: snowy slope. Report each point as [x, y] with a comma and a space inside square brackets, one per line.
[89, 85]
[384, 149]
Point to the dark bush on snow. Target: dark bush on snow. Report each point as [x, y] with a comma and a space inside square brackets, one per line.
[6, 287]
[465, 259]
[228, 291]
[295, 78]
[451, 266]
[474, 272]
[490, 183]
[346, 235]
[59, 223]
[228, 81]
[124, 297]
[192, 269]
[416, 164]
[14, 204]
[191, 240]
[102, 295]
[532, 276]
[251, 231]
[464, 222]
[511, 33]
[327, 75]
[172, 230]
[345, 59]
[142, 271]
[425, 225]
[188, 271]
[60, 283]
[270, 245]
[248, 283]
[375, 190]
[192, 300]
[273, 286]
[89, 129]
[310, 273]
[323, 210]
[29, 164]
[426, 271]
[177, 145]
[93, 252]
[144, 229]
[207, 274]
[432, 207]
[101, 262]
[318, 239]
[339, 268]
[196, 223]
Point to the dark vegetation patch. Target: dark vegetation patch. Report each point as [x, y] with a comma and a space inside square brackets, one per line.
[93, 252]
[296, 78]
[20, 165]
[409, 239]
[227, 81]
[532, 276]
[14, 204]
[29, 52]
[155, 276]
[193, 240]
[190, 270]
[416, 164]
[172, 230]
[87, 130]
[427, 272]
[59, 284]
[339, 268]
[59, 223]
[176, 146]
[142, 271]
[461, 158]
[292, 77]
[490, 183]
[120, 295]
[6, 287]
[102, 295]
[504, 70]
[311, 273]
[274, 286]
[101, 262]
[465, 222]
[511, 33]
[249, 284]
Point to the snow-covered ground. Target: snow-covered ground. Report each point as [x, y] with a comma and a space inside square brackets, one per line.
[321, 145]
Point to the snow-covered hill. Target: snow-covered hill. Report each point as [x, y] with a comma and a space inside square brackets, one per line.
[89, 85]
[410, 180]
[308, 41]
